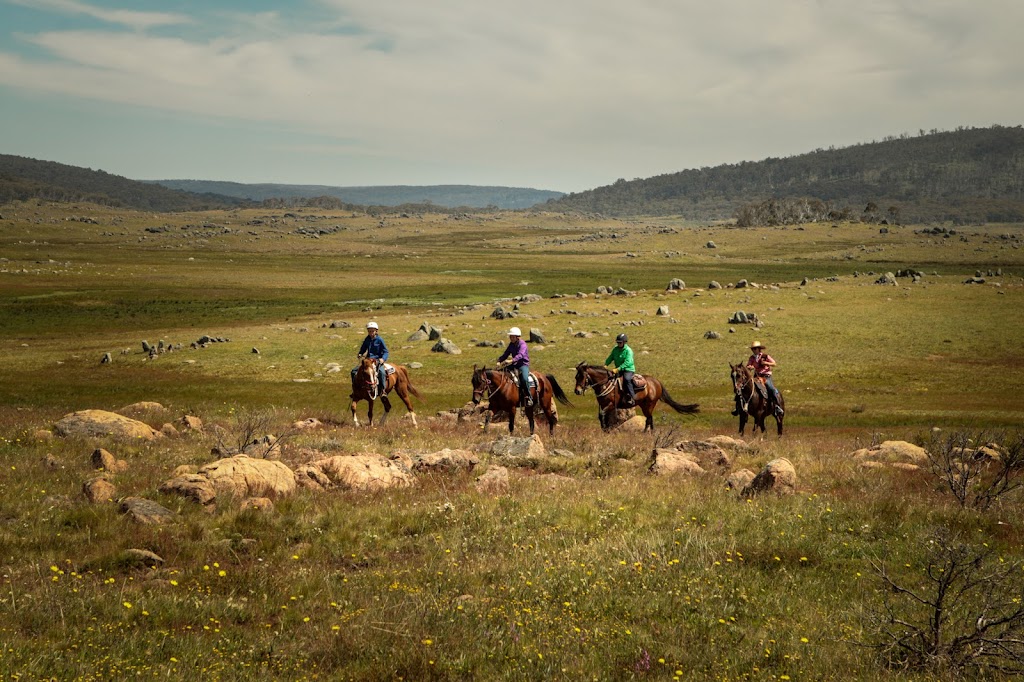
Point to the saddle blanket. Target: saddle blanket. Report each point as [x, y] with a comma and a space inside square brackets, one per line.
[531, 381]
[638, 382]
[388, 369]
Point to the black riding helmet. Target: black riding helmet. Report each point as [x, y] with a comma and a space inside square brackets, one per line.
[621, 338]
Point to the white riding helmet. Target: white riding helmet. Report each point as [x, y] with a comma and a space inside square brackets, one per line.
[514, 331]
[371, 325]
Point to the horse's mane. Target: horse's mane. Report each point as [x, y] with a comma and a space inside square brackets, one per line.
[597, 368]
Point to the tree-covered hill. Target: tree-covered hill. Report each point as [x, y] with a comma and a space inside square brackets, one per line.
[443, 196]
[970, 174]
[23, 178]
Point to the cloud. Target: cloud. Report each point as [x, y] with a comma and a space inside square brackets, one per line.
[609, 88]
[131, 18]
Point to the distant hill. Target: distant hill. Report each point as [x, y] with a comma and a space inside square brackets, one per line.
[971, 174]
[442, 196]
[23, 178]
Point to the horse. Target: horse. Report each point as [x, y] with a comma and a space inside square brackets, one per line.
[751, 401]
[501, 389]
[364, 387]
[608, 392]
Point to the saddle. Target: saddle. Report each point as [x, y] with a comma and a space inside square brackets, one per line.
[531, 381]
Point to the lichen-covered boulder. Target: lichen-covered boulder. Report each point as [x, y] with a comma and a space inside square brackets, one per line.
[365, 473]
[240, 476]
[778, 476]
[669, 462]
[99, 423]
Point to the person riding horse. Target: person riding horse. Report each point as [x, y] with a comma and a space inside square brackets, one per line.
[518, 357]
[762, 363]
[621, 358]
[374, 347]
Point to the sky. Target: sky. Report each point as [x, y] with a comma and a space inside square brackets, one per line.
[562, 95]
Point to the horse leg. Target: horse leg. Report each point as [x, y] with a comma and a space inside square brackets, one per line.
[530, 418]
[511, 419]
[648, 411]
[355, 418]
[778, 423]
[551, 417]
[743, 421]
[369, 413]
[404, 395]
[387, 408]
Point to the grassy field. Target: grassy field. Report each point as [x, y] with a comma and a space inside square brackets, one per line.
[589, 567]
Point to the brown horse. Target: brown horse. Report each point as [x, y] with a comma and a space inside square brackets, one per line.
[501, 389]
[752, 400]
[608, 391]
[364, 387]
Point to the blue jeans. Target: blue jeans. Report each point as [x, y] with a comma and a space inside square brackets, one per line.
[775, 392]
[524, 383]
[627, 381]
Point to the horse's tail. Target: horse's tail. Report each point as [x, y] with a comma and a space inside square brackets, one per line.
[682, 409]
[557, 390]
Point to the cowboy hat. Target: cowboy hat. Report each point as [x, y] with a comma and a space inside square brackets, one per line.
[756, 344]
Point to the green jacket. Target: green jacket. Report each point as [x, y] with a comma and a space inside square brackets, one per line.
[622, 358]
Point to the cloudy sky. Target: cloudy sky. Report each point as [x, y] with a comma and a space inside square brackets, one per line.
[552, 94]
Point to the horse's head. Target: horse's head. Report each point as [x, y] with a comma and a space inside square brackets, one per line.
[582, 378]
[481, 383]
[741, 377]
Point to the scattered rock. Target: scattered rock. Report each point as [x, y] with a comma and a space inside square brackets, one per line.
[99, 423]
[536, 336]
[887, 278]
[169, 430]
[494, 481]
[706, 453]
[191, 423]
[141, 408]
[710, 245]
[140, 557]
[675, 285]
[670, 462]
[712, 335]
[418, 335]
[891, 452]
[306, 424]
[101, 459]
[714, 285]
[239, 476]
[778, 476]
[146, 511]
[739, 480]
[516, 452]
[446, 346]
[353, 472]
[99, 490]
[662, 310]
[445, 460]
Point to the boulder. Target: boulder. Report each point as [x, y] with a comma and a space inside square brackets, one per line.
[169, 430]
[887, 278]
[714, 285]
[672, 462]
[893, 451]
[494, 481]
[662, 311]
[710, 245]
[445, 460]
[101, 459]
[778, 476]
[418, 335]
[239, 476]
[141, 408]
[537, 336]
[191, 423]
[739, 480]
[140, 558]
[633, 424]
[145, 511]
[306, 424]
[99, 490]
[364, 473]
[514, 451]
[706, 454]
[729, 443]
[446, 346]
[98, 423]
[712, 335]
[675, 284]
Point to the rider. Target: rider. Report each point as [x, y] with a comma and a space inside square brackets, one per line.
[519, 358]
[762, 364]
[622, 358]
[374, 347]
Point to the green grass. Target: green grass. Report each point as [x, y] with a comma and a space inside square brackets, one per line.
[587, 567]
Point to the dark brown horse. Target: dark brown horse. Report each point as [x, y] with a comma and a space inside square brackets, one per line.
[752, 399]
[501, 389]
[364, 387]
[608, 391]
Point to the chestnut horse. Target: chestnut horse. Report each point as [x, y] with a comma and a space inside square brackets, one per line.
[501, 389]
[607, 391]
[364, 387]
[751, 400]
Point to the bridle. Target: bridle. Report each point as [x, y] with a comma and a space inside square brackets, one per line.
[489, 387]
[590, 383]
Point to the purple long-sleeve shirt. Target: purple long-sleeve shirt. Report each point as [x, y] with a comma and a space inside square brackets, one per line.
[517, 352]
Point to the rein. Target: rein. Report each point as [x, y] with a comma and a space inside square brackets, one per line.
[590, 383]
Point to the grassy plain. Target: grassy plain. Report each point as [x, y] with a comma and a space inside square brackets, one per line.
[605, 573]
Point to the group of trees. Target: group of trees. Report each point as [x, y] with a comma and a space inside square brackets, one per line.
[970, 174]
